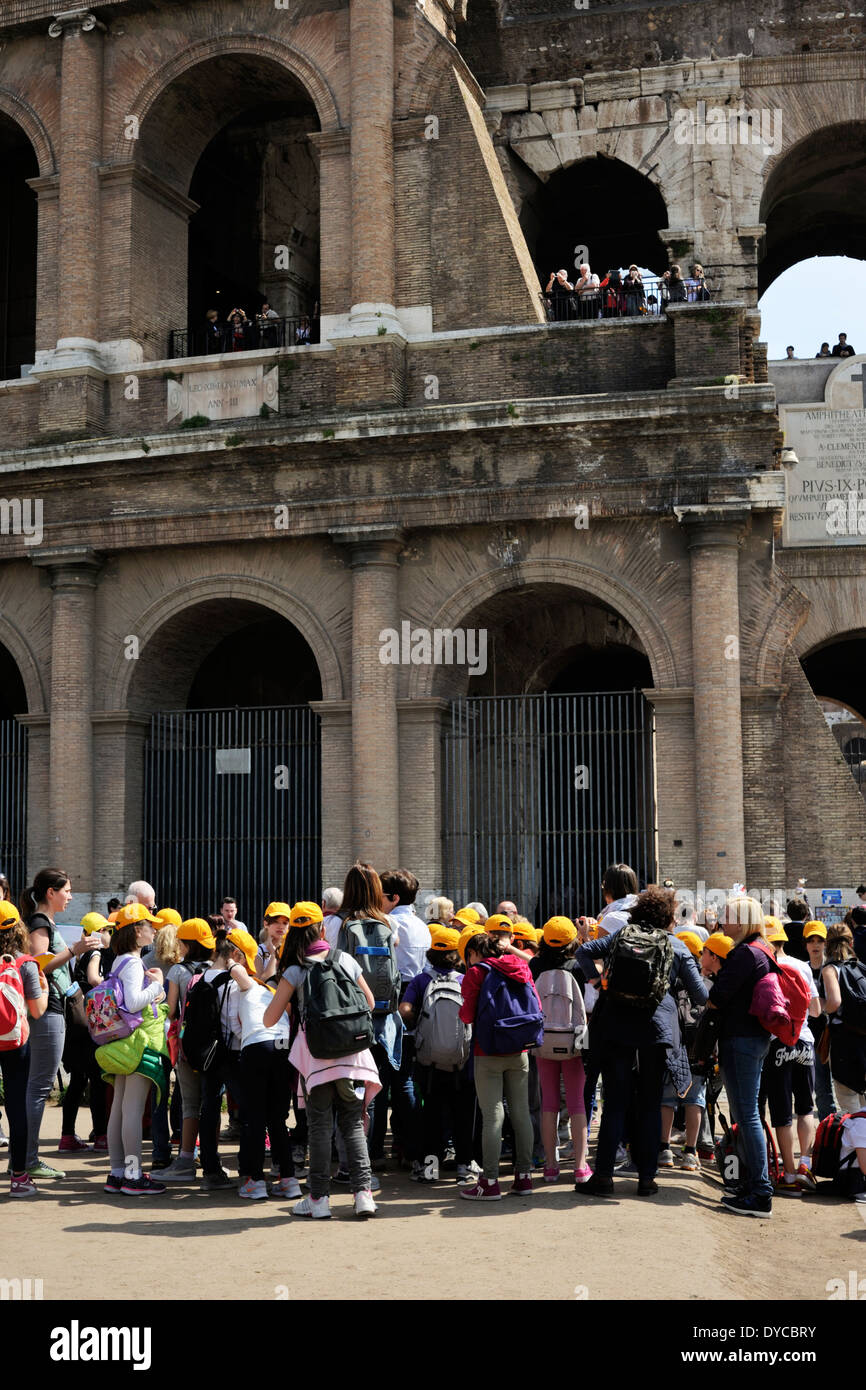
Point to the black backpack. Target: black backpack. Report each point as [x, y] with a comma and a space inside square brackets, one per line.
[202, 1043]
[852, 987]
[639, 967]
[335, 1015]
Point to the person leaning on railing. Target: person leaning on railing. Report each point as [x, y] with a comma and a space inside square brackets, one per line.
[676, 286]
[588, 293]
[561, 292]
[700, 290]
[635, 294]
[215, 332]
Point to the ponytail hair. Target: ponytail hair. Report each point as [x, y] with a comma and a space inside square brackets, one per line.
[38, 890]
[296, 943]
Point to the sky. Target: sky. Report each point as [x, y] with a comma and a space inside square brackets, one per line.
[814, 302]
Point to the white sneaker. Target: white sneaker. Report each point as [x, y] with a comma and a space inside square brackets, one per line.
[467, 1171]
[253, 1190]
[364, 1204]
[181, 1170]
[4, 1142]
[286, 1188]
[317, 1207]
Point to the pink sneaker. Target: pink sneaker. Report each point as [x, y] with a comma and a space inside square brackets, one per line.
[482, 1191]
[582, 1174]
[552, 1174]
[100, 1143]
[522, 1185]
[71, 1144]
[23, 1186]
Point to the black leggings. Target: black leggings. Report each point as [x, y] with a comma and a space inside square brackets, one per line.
[78, 1079]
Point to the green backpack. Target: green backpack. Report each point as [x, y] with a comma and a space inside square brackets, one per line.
[639, 967]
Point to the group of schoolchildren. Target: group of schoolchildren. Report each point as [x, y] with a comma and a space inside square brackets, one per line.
[473, 1031]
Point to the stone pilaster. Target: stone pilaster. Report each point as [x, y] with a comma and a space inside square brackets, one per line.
[118, 761]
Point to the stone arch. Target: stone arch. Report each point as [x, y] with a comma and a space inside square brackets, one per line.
[302, 68]
[565, 574]
[27, 120]
[28, 669]
[119, 685]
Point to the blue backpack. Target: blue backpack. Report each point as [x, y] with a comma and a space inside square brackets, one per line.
[508, 1017]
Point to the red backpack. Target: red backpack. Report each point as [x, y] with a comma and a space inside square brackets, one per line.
[14, 1017]
[827, 1148]
[780, 999]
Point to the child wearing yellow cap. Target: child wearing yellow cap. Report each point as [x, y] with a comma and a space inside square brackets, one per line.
[443, 1078]
[561, 988]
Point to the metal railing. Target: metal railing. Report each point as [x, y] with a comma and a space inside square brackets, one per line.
[232, 804]
[621, 300]
[255, 334]
[13, 802]
[541, 793]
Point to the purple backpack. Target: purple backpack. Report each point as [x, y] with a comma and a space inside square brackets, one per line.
[509, 1016]
[107, 1018]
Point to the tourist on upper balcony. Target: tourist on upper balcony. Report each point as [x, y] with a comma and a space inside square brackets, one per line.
[789, 353]
[267, 322]
[700, 291]
[239, 332]
[843, 348]
[215, 332]
[561, 295]
[303, 336]
[588, 294]
[825, 351]
[676, 286]
[612, 297]
[635, 294]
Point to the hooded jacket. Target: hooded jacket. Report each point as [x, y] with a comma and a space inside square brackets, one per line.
[515, 968]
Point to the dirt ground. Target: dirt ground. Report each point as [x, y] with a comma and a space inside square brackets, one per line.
[425, 1242]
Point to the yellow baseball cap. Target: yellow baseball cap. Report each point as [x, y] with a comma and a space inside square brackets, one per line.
[474, 929]
[692, 940]
[525, 931]
[499, 922]
[170, 918]
[773, 929]
[814, 929]
[443, 938]
[278, 910]
[94, 921]
[303, 914]
[246, 945]
[8, 914]
[719, 944]
[467, 917]
[135, 912]
[197, 929]
[558, 931]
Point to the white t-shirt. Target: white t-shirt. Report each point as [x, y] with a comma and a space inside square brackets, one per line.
[805, 970]
[251, 1010]
[413, 943]
[853, 1137]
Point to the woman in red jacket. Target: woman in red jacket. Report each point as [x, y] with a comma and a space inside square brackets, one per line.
[498, 1076]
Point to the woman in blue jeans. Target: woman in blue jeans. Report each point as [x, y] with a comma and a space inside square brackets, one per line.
[743, 1045]
[15, 1062]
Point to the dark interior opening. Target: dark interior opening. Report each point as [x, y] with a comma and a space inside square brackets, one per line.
[18, 242]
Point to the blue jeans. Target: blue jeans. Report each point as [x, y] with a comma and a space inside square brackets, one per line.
[741, 1061]
[47, 1036]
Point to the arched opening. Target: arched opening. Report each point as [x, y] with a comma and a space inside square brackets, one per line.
[548, 754]
[231, 135]
[232, 788]
[13, 773]
[835, 673]
[18, 247]
[602, 204]
[814, 203]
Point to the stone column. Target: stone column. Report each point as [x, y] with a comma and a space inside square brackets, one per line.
[338, 839]
[713, 535]
[80, 293]
[675, 784]
[422, 725]
[371, 48]
[118, 763]
[73, 578]
[375, 798]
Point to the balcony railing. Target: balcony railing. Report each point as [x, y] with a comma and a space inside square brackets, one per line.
[612, 301]
[256, 333]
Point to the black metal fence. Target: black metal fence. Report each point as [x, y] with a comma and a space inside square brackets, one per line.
[251, 336]
[13, 803]
[620, 299]
[232, 806]
[541, 793]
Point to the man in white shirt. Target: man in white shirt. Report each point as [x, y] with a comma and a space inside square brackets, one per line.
[229, 913]
[399, 890]
[332, 901]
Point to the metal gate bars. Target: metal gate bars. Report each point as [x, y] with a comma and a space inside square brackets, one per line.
[13, 803]
[232, 807]
[541, 793]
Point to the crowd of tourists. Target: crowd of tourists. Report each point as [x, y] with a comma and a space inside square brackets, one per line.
[474, 1037]
[621, 293]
